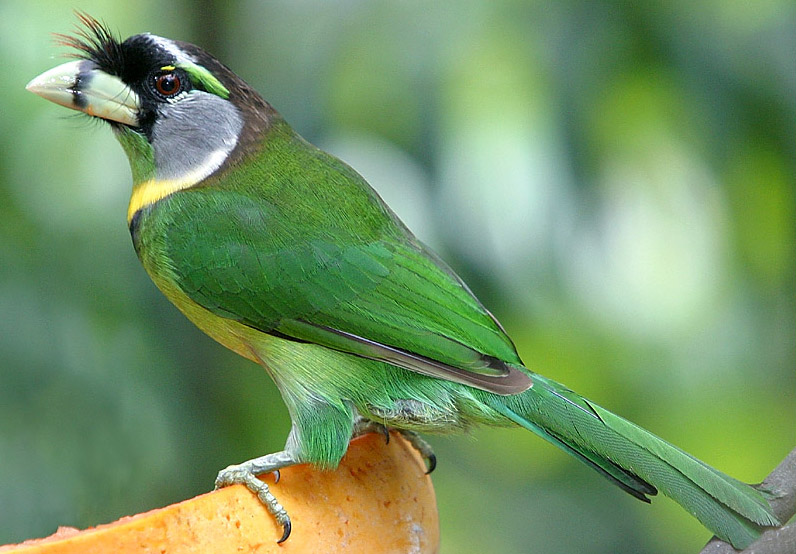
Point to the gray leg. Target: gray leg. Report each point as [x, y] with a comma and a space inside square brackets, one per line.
[364, 426]
[422, 447]
[246, 474]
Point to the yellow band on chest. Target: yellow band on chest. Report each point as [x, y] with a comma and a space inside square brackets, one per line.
[149, 192]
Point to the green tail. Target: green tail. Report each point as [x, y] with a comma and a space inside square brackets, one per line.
[638, 461]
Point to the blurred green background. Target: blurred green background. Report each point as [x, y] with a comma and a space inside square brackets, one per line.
[615, 180]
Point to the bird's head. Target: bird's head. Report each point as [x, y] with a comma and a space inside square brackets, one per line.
[179, 113]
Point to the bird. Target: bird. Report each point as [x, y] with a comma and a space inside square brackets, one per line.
[285, 255]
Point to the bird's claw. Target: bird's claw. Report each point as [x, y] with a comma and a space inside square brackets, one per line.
[287, 527]
[431, 460]
[423, 448]
[238, 474]
[363, 426]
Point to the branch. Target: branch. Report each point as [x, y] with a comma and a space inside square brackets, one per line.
[378, 500]
[782, 484]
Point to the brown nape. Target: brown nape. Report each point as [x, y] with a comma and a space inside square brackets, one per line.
[257, 113]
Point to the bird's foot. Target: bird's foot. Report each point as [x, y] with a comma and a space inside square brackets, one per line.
[363, 426]
[420, 444]
[246, 474]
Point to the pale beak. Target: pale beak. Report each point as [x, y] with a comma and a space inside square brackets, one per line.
[81, 85]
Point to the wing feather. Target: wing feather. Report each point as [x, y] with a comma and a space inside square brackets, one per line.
[383, 298]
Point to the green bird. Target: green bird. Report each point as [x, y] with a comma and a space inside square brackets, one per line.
[285, 255]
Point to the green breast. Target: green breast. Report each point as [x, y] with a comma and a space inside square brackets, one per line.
[147, 229]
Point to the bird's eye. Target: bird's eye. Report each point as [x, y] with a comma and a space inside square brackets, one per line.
[168, 84]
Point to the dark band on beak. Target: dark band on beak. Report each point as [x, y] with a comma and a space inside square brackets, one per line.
[81, 85]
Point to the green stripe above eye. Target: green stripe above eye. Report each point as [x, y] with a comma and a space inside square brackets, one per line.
[202, 76]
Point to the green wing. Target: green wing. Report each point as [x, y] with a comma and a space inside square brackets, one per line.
[380, 295]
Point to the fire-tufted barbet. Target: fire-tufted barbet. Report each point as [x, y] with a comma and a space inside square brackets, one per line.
[285, 255]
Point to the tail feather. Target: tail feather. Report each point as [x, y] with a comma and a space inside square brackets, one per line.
[629, 482]
[638, 461]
